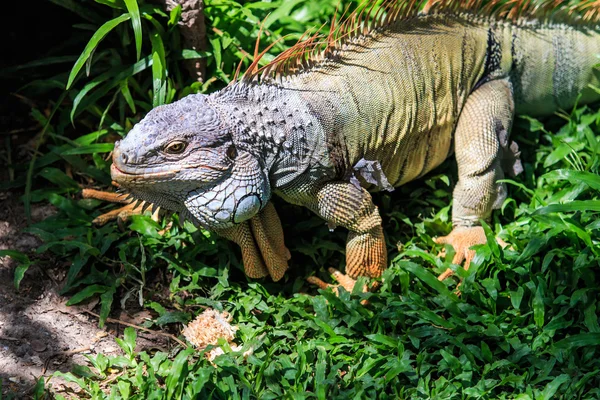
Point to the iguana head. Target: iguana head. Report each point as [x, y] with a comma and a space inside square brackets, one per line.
[183, 157]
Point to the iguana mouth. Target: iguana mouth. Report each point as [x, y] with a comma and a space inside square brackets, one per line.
[121, 176]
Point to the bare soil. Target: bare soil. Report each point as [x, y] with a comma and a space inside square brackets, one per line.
[39, 334]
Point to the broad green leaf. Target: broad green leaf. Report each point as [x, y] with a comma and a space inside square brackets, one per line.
[145, 226]
[17, 255]
[189, 54]
[579, 340]
[175, 15]
[591, 319]
[20, 273]
[557, 155]
[106, 81]
[127, 95]
[553, 386]
[69, 377]
[130, 337]
[22, 267]
[93, 43]
[491, 239]
[86, 293]
[177, 373]
[159, 71]
[90, 149]
[320, 369]
[516, 297]
[106, 300]
[59, 178]
[91, 137]
[172, 317]
[124, 388]
[576, 205]
[38, 390]
[383, 339]
[538, 307]
[427, 277]
[590, 179]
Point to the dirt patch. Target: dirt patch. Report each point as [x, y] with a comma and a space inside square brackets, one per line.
[39, 334]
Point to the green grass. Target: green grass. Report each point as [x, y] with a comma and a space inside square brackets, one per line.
[525, 326]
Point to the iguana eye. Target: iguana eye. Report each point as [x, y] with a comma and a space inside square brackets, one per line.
[175, 147]
[231, 152]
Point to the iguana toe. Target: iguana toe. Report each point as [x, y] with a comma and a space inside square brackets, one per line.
[462, 239]
[343, 280]
[121, 214]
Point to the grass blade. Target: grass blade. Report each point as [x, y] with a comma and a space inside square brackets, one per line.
[427, 277]
[117, 76]
[136, 23]
[159, 71]
[580, 340]
[29, 178]
[90, 149]
[577, 205]
[590, 179]
[93, 43]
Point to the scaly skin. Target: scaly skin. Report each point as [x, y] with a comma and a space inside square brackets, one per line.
[385, 109]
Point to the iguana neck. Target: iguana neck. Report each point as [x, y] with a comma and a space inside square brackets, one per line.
[276, 126]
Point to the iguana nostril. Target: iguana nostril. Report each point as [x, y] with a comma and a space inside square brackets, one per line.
[124, 157]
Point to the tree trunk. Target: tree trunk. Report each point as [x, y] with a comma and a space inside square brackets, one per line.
[193, 30]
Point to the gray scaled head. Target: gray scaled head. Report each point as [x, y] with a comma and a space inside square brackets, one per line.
[183, 157]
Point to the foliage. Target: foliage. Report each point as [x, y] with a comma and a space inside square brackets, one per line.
[525, 325]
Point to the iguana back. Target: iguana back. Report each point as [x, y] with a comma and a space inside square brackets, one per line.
[397, 94]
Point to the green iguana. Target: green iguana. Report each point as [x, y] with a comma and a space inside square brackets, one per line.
[383, 99]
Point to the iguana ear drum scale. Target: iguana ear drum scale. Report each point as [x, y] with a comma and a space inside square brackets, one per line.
[382, 99]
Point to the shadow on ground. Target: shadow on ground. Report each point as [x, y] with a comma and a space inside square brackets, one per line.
[39, 334]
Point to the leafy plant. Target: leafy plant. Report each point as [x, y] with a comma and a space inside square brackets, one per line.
[525, 325]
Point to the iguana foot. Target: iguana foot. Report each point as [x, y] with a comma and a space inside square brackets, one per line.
[462, 239]
[122, 214]
[343, 280]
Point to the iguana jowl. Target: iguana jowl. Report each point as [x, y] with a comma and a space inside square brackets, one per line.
[389, 95]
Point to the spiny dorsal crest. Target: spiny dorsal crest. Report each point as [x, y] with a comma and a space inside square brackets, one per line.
[372, 15]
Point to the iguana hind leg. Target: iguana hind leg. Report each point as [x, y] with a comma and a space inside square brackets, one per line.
[481, 143]
[344, 204]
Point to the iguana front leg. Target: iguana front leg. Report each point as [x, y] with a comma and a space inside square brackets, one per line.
[344, 204]
[481, 138]
[261, 240]
[121, 214]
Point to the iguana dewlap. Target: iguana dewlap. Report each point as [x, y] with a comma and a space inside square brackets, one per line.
[387, 97]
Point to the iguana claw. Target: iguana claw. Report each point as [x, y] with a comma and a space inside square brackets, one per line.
[462, 239]
[121, 214]
[343, 280]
